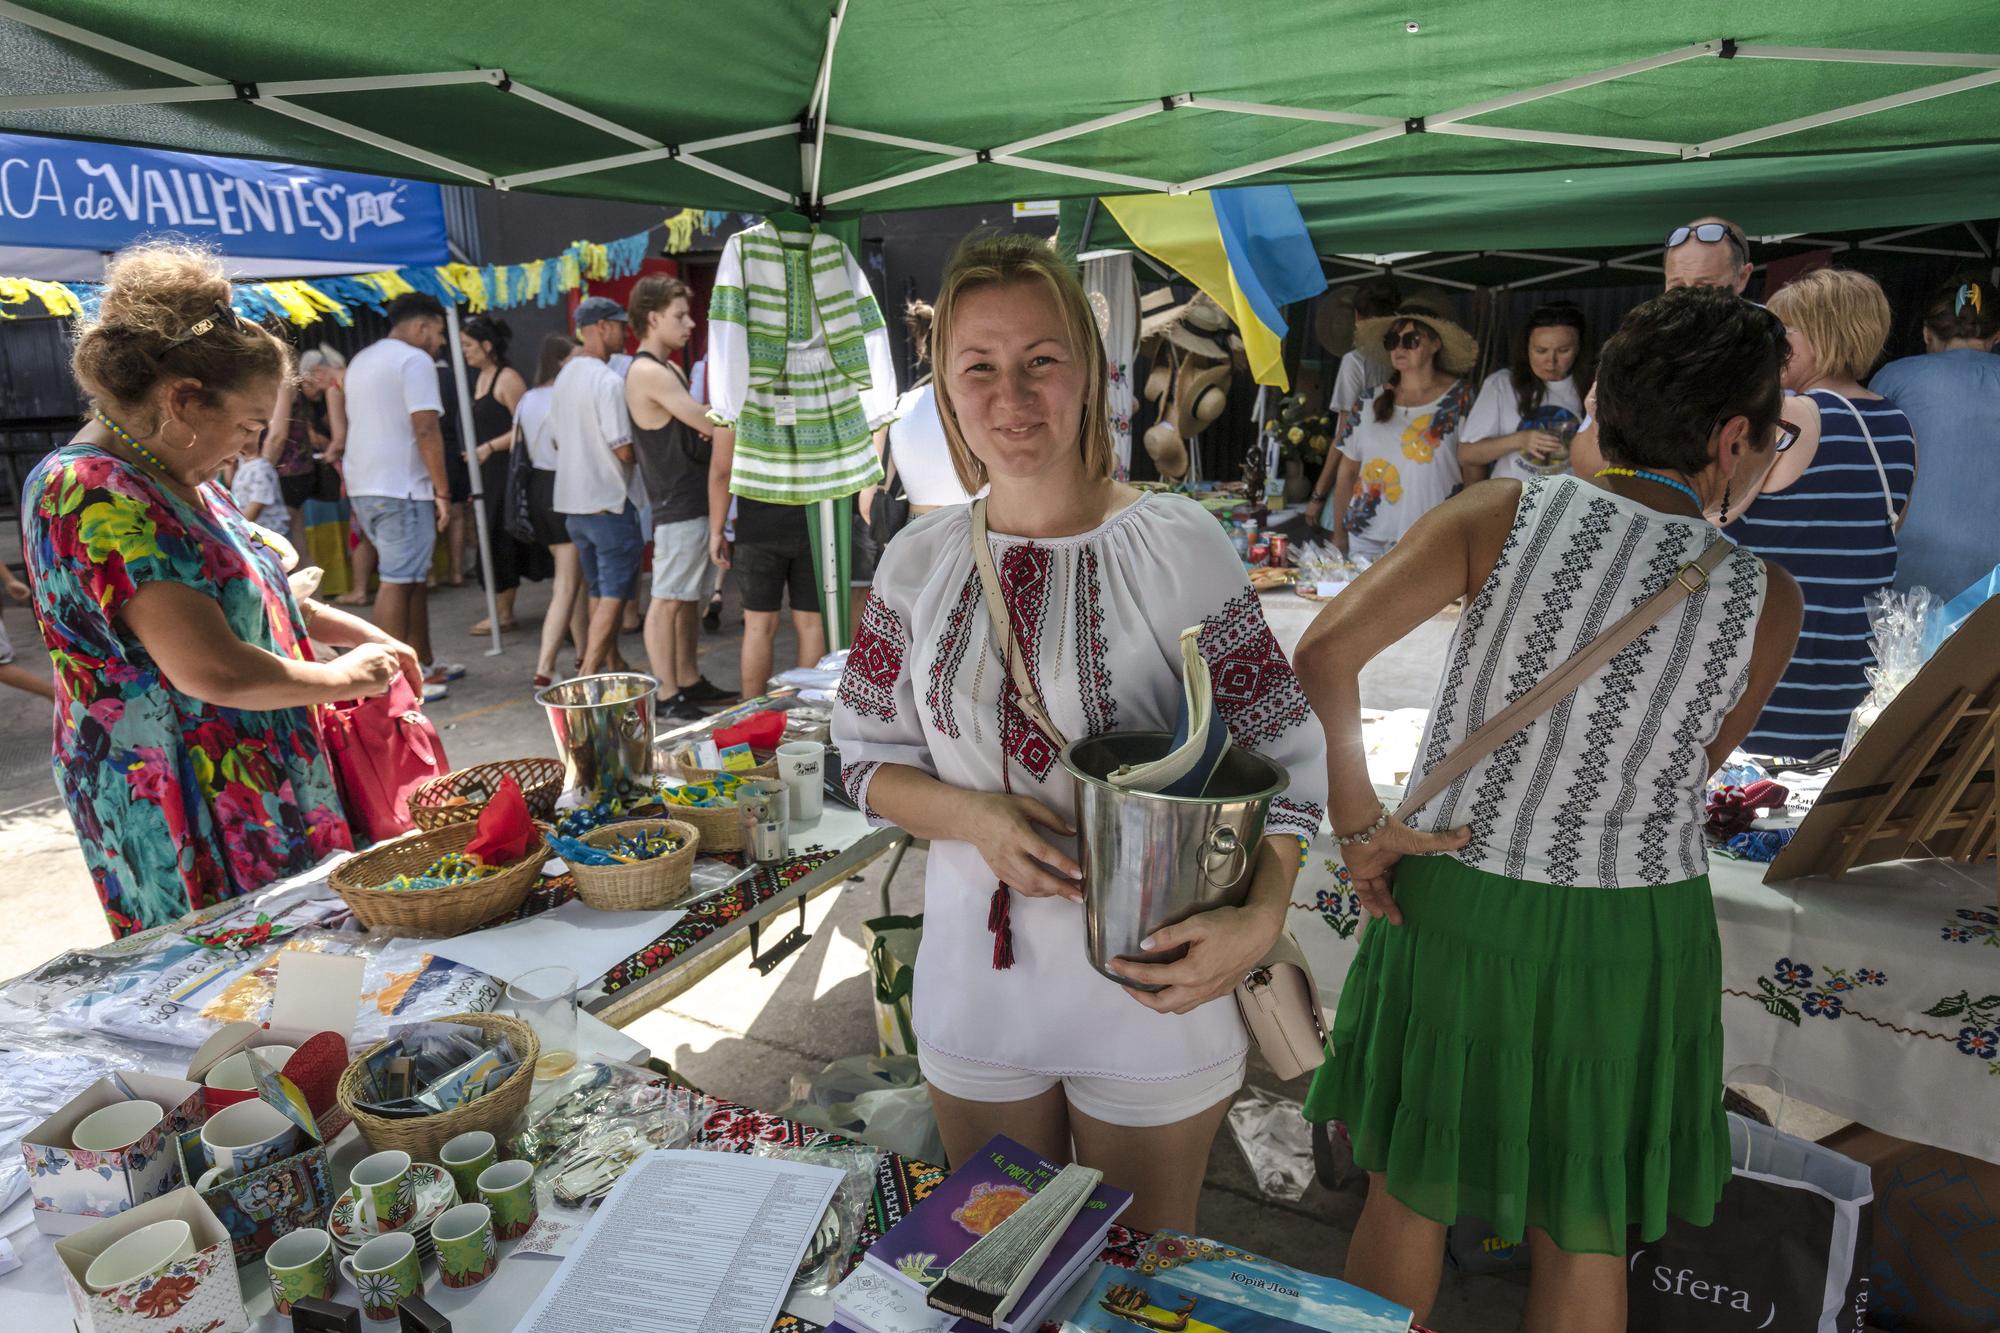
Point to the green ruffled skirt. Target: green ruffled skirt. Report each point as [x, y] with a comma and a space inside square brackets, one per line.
[1536, 1055]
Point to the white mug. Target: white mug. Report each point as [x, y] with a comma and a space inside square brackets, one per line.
[212, 1177]
[141, 1254]
[117, 1126]
[800, 764]
[249, 1136]
[232, 1072]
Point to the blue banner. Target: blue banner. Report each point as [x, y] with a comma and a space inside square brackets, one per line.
[89, 196]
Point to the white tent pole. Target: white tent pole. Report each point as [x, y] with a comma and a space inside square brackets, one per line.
[1140, 112]
[1083, 173]
[377, 83]
[903, 178]
[898, 141]
[69, 32]
[1610, 143]
[1361, 140]
[658, 153]
[1945, 59]
[1276, 112]
[1594, 77]
[468, 441]
[734, 177]
[374, 140]
[821, 96]
[198, 92]
[1838, 114]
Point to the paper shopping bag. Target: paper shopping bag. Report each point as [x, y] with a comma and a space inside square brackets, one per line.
[1787, 1252]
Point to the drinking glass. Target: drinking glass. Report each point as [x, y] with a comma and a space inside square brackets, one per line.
[545, 999]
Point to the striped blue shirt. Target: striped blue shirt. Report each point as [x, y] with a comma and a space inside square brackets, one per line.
[1831, 530]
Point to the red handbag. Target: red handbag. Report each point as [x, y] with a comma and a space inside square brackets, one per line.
[382, 749]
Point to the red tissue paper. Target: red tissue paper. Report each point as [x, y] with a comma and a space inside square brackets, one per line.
[762, 731]
[505, 830]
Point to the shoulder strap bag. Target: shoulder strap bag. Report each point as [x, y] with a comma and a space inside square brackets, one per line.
[1278, 1000]
[1868, 436]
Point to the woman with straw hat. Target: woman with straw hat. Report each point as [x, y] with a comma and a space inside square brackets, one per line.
[1396, 459]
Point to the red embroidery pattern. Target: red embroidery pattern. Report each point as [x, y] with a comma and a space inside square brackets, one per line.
[1024, 582]
[1100, 710]
[1255, 690]
[854, 781]
[957, 637]
[868, 684]
[1289, 816]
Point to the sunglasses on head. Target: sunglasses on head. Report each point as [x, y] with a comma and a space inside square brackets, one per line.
[1409, 340]
[1708, 233]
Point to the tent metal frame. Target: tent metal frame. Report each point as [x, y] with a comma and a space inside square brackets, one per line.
[814, 126]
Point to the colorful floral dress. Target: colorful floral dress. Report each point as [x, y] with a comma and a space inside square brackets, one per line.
[178, 803]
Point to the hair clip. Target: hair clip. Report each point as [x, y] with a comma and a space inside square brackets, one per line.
[223, 315]
[1968, 295]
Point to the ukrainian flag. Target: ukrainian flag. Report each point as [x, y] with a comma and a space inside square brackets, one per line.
[1248, 249]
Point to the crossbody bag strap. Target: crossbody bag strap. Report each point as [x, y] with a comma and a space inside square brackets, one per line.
[1029, 697]
[1881, 473]
[1580, 667]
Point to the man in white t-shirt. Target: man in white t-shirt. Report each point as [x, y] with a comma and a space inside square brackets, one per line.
[593, 438]
[394, 468]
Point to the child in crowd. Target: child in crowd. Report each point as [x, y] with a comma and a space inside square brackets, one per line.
[256, 491]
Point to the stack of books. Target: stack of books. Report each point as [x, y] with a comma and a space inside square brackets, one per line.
[886, 1292]
[1190, 1283]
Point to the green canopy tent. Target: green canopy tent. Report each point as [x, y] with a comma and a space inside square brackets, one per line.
[1415, 124]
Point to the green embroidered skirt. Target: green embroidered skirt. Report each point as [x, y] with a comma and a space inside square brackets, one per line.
[1536, 1055]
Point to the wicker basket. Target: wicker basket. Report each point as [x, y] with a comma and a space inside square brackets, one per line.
[540, 779]
[766, 769]
[642, 884]
[422, 1136]
[720, 826]
[431, 913]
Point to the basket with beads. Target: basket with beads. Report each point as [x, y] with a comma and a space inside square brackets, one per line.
[650, 865]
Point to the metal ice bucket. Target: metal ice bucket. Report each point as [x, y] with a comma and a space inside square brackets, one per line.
[1150, 860]
[604, 731]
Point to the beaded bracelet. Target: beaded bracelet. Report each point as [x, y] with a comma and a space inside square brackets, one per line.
[1366, 835]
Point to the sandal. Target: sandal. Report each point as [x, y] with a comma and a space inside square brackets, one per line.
[482, 629]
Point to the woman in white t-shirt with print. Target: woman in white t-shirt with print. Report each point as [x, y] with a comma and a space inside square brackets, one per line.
[1526, 415]
[1396, 458]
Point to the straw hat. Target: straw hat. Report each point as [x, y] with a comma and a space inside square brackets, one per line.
[1459, 354]
[1197, 325]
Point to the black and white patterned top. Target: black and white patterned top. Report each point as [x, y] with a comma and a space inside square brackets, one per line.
[1606, 789]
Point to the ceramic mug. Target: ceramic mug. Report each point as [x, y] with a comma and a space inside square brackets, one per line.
[508, 1188]
[249, 1136]
[384, 1195]
[464, 1157]
[149, 1250]
[301, 1265]
[387, 1272]
[463, 1238]
[118, 1126]
[800, 764]
[232, 1072]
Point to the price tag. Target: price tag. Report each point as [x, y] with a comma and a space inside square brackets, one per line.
[786, 408]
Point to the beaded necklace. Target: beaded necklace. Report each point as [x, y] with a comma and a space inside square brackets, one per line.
[125, 438]
[1643, 475]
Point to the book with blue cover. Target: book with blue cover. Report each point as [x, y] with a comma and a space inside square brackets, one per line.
[1188, 1284]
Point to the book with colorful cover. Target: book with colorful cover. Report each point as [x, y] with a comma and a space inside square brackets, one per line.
[974, 1199]
[1194, 1285]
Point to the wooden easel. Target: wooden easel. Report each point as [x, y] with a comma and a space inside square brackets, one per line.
[1925, 779]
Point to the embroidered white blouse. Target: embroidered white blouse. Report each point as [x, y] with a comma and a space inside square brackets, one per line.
[1099, 616]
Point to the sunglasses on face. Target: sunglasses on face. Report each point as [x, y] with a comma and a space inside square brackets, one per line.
[1409, 340]
[1708, 233]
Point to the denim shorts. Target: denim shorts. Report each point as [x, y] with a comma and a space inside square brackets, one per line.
[611, 548]
[403, 533]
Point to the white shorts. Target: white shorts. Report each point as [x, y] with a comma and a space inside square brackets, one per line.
[1129, 1102]
[680, 560]
[6, 647]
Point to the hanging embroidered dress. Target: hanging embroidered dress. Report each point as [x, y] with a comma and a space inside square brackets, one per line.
[799, 365]
[1099, 616]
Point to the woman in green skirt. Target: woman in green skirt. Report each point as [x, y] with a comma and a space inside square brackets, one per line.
[1532, 1031]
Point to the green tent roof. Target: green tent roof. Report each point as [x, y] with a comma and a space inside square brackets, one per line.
[1469, 128]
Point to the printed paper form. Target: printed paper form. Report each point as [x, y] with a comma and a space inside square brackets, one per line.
[688, 1242]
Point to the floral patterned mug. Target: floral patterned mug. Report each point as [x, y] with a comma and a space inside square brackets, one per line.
[508, 1188]
[466, 1251]
[301, 1265]
[384, 1195]
[387, 1272]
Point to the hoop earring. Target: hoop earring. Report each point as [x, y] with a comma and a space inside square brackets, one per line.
[1725, 501]
[192, 437]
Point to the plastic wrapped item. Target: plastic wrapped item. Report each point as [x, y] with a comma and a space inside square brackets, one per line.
[41, 1075]
[878, 1099]
[1899, 625]
[585, 1129]
[1276, 1142]
[830, 1253]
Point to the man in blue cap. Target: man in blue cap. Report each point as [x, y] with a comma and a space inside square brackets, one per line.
[594, 490]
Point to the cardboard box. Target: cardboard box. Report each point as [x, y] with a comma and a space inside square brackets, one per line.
[1936, 1266]
[197, 1295]
[72, 1188]
[257, 1208]
[315, 1068]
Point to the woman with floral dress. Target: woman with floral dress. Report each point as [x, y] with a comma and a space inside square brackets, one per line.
[185, 741]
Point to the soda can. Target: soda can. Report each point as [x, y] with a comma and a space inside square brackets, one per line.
[1281, 546]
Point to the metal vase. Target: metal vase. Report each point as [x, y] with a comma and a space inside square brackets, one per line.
[1151, 861]
[604, 732]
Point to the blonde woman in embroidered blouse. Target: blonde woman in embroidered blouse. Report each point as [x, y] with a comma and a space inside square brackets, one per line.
[1017, 1033]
